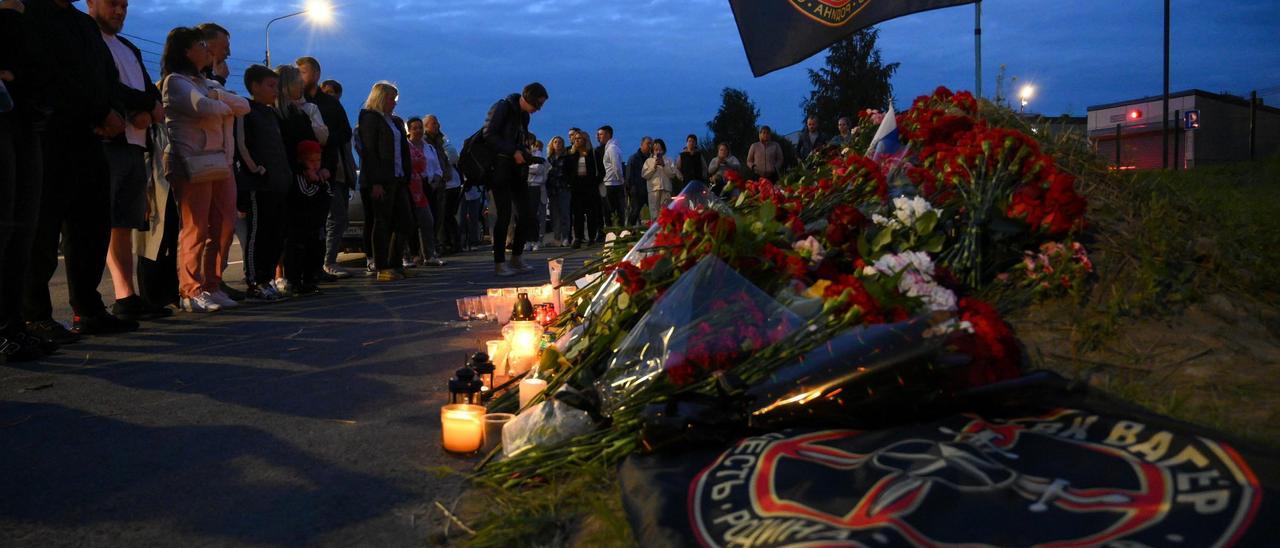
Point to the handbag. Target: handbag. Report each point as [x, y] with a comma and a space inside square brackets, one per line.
[206, 167]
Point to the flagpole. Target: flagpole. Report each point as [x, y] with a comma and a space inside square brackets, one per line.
[977, 48]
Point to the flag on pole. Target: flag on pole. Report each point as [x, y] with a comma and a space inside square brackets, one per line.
[886, 141]
[780, 33]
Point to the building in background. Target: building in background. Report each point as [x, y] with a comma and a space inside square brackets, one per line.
[1223, 134]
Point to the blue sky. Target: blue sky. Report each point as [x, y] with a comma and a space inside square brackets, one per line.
[657, 66]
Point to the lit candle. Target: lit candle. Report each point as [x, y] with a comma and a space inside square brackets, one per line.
[530, 388]
[462, 427]
[523, 340]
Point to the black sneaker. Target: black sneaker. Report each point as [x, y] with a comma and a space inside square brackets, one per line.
[309, 289]
[48, 347]
[235, 294]
[577, 244]
[102, 324]
[52, 331]
[16, 349]
[325, 277]
[137, 309]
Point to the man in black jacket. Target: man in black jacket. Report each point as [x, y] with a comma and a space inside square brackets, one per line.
[126, 158]
[637, 188]
[333, 159]
[505, 128]
[80, 79]
[810, 139]
[21, 143]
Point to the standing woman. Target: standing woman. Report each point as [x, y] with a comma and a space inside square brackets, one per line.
[300, 121]
[198, 166]
[583, 175]
[384, 179]
[690, 164]
[661, 174]
[558, 192]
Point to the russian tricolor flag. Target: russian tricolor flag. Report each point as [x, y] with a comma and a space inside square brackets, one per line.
[886, 141]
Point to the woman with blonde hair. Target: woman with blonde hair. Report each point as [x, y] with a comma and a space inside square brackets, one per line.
[558, 192]
[583, 175]
[197, 164]
[384, 179]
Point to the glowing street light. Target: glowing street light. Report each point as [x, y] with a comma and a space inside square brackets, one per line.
[320, 12]
[1025, 94]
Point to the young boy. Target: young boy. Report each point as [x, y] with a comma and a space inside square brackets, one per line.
[263, 179]
[309, 200]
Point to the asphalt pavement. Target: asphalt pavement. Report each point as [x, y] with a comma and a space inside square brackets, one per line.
[309, 422]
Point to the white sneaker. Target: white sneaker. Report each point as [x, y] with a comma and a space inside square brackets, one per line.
[281, 286]
[537, 247]
[436, 261]
[223, 299]
[200, 303]
[337, 271]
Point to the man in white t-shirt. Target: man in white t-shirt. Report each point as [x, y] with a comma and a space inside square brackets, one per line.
[130, 211]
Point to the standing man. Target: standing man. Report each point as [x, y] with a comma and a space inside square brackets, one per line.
[637, 187]
[336, 158]
[126, 158]
[614, 182]
[445, 192]
[810, 139]
[505, 128]
[219, 41]
[21, 168]
[765, 156]
[81, 92]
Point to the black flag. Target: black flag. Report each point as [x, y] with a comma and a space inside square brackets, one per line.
[781, 33]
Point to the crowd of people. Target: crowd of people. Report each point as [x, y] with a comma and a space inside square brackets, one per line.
[152, 179]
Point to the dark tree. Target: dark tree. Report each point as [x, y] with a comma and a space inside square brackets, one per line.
[855, 78]
[735, 122]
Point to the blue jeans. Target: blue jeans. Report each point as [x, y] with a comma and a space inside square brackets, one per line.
[560, 221]
[472, 211]
[336, 226]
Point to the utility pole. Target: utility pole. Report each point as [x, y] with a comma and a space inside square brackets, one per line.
[977, 48]
[1164, 120]
[1117, 147]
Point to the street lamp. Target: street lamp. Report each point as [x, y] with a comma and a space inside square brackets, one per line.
[1024, 96]
[318, 11]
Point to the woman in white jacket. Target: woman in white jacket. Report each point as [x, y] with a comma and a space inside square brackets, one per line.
[660, 173]
[199, 115]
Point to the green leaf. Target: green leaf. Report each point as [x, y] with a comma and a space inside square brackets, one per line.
[934, 243]
[766, 212]
[882, 239]
[864, 248]
[926, 223]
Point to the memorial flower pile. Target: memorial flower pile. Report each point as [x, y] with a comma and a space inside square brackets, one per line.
[796, 291]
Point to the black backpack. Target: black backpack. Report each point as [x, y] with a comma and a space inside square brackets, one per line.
[476, 159]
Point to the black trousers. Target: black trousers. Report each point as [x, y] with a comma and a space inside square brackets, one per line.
[616, 202]
[584, 212]
[21, 168]
[158, 279]
[451, 239]
[393, 225]
[636, 200]
[304, 246]
[366, 203]
[510, 193]
[75, 204]
[267, 217]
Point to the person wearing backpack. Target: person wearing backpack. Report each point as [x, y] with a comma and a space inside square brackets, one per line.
[505, 128]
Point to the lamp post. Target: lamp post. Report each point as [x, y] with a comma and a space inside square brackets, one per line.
[1024, 96]
[319, 11]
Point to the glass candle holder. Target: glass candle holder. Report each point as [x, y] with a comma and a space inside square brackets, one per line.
[493, 423]
[462, 428]
[530, 388]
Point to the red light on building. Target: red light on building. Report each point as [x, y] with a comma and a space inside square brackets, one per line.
[1135, 114]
